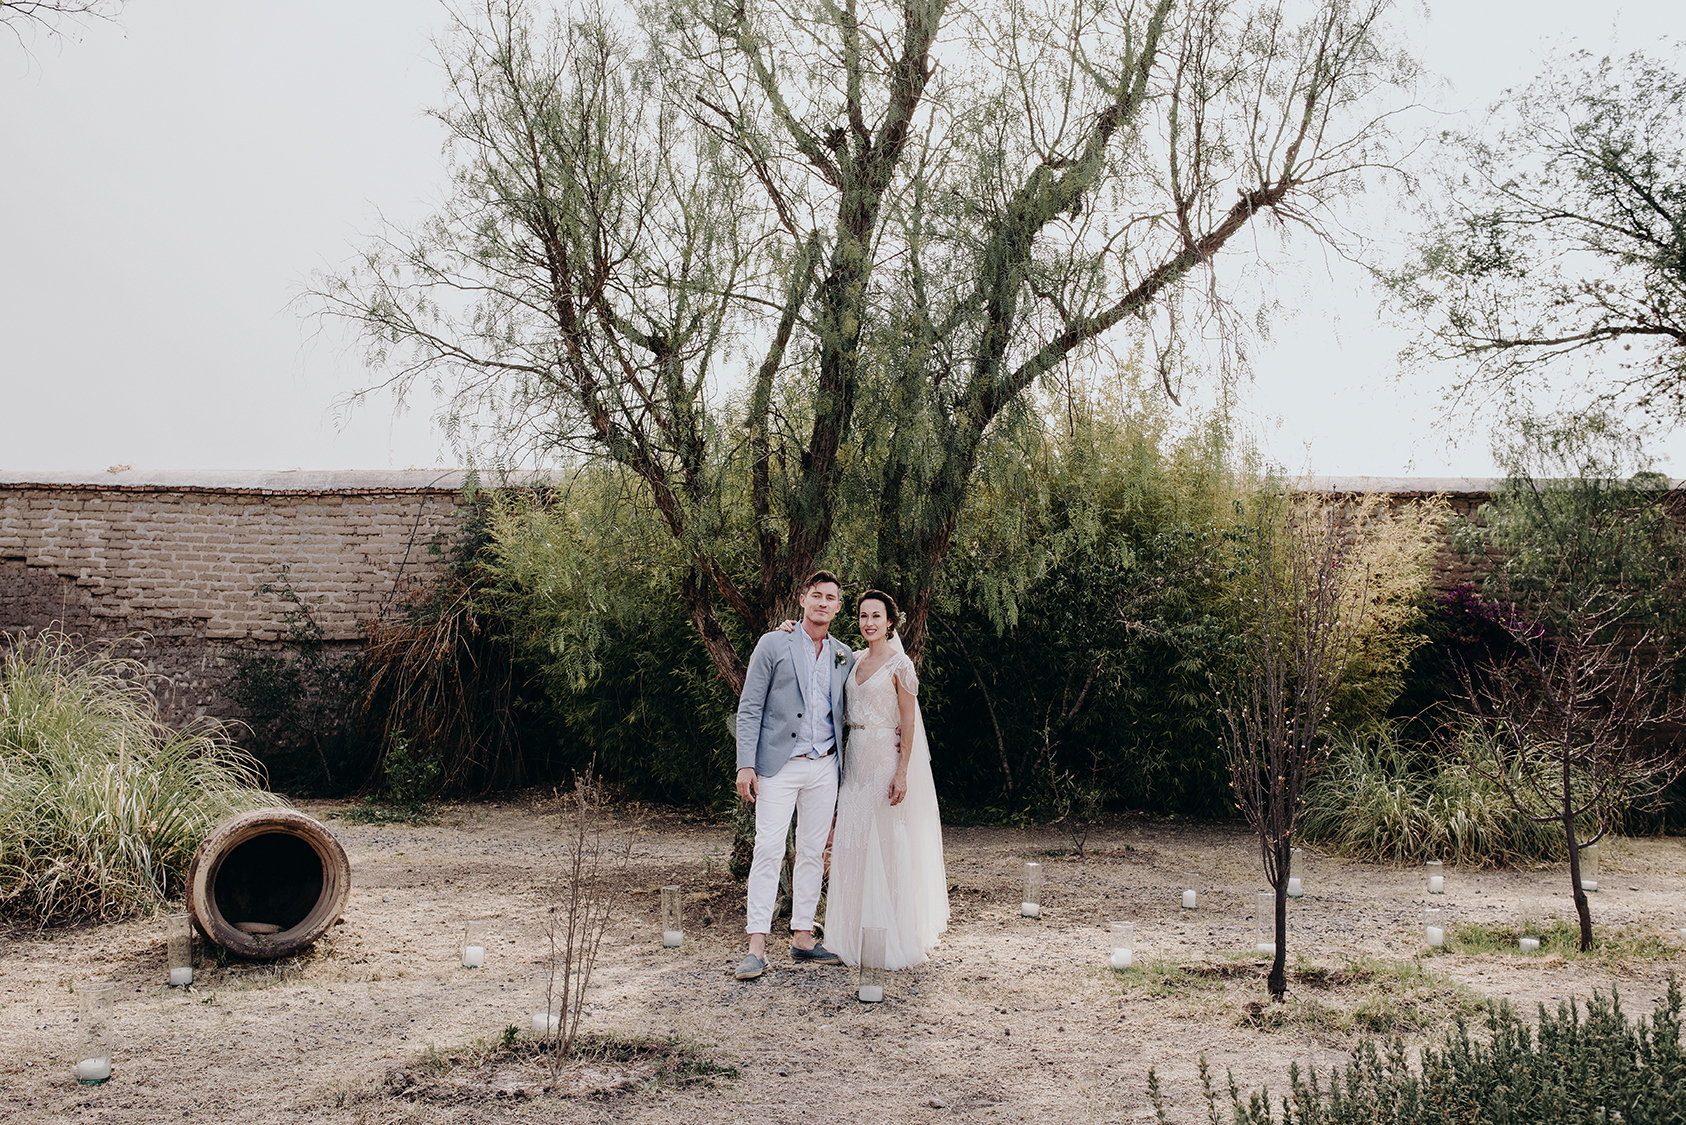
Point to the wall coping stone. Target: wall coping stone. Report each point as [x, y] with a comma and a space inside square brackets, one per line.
[254, 481]
[355, 481]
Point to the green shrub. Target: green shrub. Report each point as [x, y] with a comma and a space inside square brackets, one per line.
[1600, 1068]
[1379, 798]
[101, 805]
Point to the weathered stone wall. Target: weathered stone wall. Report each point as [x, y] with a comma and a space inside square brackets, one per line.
[168, 565]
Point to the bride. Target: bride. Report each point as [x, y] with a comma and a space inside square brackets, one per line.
[887, 854]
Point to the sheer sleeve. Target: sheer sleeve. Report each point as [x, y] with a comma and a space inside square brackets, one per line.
[903, 671]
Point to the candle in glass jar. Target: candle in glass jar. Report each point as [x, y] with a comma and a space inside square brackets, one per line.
[1434, 927]
[872, 993]
[181, 977]
[673, 939]
[1123, 944]
[93, 1070]
[1295, 888]
[1030, 909]
[1529, 944]
[474, 944]
[546, 1023]
[1437, 884]
[1190, 899]
[1265, 948]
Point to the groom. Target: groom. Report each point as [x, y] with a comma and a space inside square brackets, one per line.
[790, 722]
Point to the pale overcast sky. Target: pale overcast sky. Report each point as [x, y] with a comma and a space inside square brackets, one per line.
[169, 182]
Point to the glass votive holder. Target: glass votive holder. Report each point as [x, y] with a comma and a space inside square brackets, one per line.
[178, 941]
[1191, 890]
[1589, 867]
[1529, 926]
[474, 945]
[1031, 905]
[673, 922]
[1436, 872]
[1434, 927]
[1296, 863]
[93, 1031]
[546, 1020]
[1123, 944]
[1264, 923]
[873, 973]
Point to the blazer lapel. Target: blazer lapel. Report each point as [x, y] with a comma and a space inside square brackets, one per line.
[801, 652]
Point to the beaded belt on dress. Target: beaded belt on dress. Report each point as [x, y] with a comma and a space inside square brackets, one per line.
[865, 726]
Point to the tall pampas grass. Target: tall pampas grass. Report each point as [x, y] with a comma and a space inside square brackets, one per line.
[101, 805]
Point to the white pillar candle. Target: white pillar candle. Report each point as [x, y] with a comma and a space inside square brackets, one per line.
[546, 1023]
[1030, 909]
[1295, 889]
[1122, 958]
[93, 1070]
[673, 939]
[872, 993]
[1529, 944]
[473, 956]
[1437, 884]
[1189, 900]
[181, 978]
[1265, 949]
[1436, 936]
[1589, 884]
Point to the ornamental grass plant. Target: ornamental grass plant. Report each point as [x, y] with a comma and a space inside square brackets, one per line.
[101, 805]
[1382, 799]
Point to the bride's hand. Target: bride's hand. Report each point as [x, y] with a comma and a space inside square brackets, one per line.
[787, 626]
[898, 787]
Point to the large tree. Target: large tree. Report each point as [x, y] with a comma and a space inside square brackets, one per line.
[1558, 238]
[823, 250]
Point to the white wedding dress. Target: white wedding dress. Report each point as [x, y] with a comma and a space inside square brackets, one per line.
[886, 861]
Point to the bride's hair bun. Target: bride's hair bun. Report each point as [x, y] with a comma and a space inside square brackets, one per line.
[891, 613]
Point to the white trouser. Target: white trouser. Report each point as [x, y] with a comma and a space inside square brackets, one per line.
[808, 787]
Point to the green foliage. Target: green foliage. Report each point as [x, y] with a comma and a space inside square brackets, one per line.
[1379, 798]
[301, 703]
[1088, 603]
[1597, 1068]
[101, 805]
[615, 661]
[1575, 535]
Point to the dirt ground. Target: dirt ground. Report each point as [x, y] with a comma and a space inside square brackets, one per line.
[1014, 1019]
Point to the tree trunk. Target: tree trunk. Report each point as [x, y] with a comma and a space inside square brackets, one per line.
[1277, 982]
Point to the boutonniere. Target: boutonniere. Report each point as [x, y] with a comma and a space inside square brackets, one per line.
[838, 657]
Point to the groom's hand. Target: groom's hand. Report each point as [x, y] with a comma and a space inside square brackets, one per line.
[748, 787]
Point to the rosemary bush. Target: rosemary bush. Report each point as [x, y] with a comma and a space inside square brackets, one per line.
[101, 805]
[1596, 1068]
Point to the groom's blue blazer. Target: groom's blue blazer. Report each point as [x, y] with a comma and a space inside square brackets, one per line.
[771, 706]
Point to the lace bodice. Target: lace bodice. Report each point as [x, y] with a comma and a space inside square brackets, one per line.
[873, 703]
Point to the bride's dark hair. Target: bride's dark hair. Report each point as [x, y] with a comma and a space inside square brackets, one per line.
[891, 613]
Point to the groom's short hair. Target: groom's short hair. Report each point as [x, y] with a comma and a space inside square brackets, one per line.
[819, 576]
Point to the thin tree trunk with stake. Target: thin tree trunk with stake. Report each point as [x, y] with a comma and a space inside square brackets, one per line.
[1304, 616]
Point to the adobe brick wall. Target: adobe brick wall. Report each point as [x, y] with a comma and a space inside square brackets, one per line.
[169, 564]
